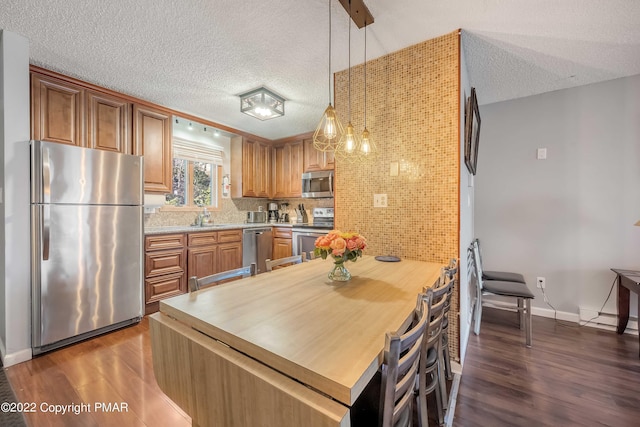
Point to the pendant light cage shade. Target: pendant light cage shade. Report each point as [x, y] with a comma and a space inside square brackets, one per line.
[349, 149]
[368, 149]
[329, 133]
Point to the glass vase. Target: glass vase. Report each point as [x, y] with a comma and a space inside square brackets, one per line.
[339, 272]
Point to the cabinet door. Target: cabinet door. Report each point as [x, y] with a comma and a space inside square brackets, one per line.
[249, 172]
[108, 123]
[281, 171]
[281, 248]
[313, 159]
[263, 170]
[229, 256]
[295, 169]
[203, 261]
[152, 139]
[57, 112]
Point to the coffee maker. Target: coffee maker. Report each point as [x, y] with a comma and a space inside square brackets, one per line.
[273, 213]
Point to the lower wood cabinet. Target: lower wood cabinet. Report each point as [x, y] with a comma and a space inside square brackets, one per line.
[170, 259]
[282, 243]
[165, 269]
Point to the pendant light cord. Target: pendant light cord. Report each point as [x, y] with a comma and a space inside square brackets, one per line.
[365, 73]
[329, 51]
[349, 61]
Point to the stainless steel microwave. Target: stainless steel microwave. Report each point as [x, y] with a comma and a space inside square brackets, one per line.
[317, 184]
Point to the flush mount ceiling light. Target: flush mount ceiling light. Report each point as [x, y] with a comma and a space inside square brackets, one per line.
[262, 104]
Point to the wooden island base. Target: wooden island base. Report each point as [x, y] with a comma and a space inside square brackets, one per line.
[217, 385]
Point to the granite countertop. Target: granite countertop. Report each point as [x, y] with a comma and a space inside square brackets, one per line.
[212, 227]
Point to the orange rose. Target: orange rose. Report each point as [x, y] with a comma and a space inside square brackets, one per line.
[338, 246]
[352, 244]
[322, 242]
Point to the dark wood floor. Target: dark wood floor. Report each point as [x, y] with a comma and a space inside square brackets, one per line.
[571, 377]
[116, 367]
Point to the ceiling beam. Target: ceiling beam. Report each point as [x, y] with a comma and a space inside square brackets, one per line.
[359, 12]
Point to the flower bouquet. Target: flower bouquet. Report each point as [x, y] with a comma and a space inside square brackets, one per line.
[342, 247]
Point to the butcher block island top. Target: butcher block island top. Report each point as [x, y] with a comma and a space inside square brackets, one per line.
[326, 335]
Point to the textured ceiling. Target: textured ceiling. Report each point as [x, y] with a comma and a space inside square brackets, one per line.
[197, 56]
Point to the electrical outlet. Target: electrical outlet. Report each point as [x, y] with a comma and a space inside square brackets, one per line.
[379, 200]
[540, 282]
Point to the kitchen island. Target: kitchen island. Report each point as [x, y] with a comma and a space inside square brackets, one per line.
[284, 348]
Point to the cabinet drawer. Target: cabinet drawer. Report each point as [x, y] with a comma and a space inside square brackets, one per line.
[203, 238]
[164, 262]
[167, 286]
[164, 241]
[282, 232]
[227, 236]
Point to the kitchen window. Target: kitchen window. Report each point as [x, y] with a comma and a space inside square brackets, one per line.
[196, 179]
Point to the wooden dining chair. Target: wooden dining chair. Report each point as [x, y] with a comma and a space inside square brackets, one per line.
[195, 283]
[517, 290]
[282, 262]
[505, 276]
[402, 363]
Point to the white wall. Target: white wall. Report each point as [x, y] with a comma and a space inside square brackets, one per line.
[568, 218]
[466, 217]
[15, 288]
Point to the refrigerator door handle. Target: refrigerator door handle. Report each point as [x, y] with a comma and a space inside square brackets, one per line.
[46, 228]
[46, 176]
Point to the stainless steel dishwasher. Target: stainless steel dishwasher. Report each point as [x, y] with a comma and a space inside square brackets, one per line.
[257, 247]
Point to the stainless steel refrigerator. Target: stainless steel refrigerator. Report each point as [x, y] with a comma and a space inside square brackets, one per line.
[86, 243]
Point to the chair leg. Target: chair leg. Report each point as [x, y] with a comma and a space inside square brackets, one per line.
[447, 356]
[521, 320]
[527, 320]
[442, 383]
[478, 314]
[439, 400]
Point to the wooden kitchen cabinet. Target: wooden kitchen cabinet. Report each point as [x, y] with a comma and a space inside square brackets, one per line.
[57, 110]
[287, 170]
[250, 168]
[165, 269]
[212, 252]
[282, 243]
[315, 160]
[152, 139]
[108, 122]
[202, 254]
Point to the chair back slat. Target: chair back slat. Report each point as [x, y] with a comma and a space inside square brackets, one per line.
[400, 367]
[196, 283]
[296, 259]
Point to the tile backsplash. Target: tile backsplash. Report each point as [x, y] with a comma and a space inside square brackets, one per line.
[234, 211]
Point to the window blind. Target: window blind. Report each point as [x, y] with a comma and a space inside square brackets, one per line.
[197, 151]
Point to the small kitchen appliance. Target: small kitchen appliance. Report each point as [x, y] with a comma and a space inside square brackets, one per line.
[273, 213]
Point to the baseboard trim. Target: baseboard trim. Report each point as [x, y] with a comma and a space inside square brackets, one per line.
[17, 357]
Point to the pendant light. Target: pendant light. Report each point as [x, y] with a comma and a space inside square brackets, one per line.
[368, 149]
[329, 133]
[350, 146]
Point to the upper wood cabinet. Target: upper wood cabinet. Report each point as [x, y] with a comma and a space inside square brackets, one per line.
[108, 122]
[287, 170]
[250, 168]
[152, 139]
[315, 160]
[57, 110]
